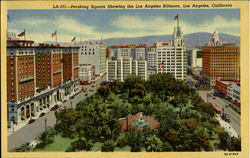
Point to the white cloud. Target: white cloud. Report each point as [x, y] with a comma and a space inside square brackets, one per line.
[31, 21]
[161, 26]
[218, 23]
[130, 26]
[134, 22]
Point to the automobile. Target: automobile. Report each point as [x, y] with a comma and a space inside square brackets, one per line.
[226, 105]
[31, 121]
[226, 118]
[54, 108]
[91, 90]
[86, 94]
[71, 97]
[42, 114]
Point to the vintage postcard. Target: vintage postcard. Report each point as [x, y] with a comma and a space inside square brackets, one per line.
[125, 79]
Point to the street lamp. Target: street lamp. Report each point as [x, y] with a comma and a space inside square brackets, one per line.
[208, 97]
[45, 121]
[13, 127]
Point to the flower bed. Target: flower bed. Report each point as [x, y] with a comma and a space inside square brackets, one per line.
[23, 117]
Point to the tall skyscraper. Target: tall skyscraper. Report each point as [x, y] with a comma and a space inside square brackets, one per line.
[171, 57]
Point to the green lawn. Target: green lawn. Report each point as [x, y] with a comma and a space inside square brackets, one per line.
[126, 148]
[97, 146]
[60, 144]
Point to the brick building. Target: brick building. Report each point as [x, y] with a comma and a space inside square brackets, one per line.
[222, 86]
[220, 60]
[35, 77]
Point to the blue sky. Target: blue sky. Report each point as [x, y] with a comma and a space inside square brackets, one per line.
[92, 24]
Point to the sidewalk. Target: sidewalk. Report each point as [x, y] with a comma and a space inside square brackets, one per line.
[26, 122]
[227, 127]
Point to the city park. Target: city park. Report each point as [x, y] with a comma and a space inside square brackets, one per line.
[167, 115]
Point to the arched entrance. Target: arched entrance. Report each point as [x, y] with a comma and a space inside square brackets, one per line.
[57, 95]
[27, 111]
[32, 109]
[22, 114]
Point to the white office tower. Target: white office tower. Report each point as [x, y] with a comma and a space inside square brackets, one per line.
[152, 59]
[140, 53]
[93, 53]
[215, 37]
[86, 72]
[12, 36]
[171, 57]
[121, 68]
[124, 51]
[215, 40]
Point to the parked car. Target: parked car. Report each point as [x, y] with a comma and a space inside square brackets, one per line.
[54, 108]
[31, 121]
[71, 97]
[42, 114]
[226, 118]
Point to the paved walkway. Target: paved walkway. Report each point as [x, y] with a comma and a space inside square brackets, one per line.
[26, 122]
[227, 127]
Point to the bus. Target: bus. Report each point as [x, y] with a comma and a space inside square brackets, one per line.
[216, 108]
[84, 82]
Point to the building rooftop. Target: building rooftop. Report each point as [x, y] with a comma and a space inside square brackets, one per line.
[85, 64]
[20, 41]
[40, 45]
[228, 82]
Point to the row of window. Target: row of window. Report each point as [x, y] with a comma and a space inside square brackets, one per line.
[93, 53]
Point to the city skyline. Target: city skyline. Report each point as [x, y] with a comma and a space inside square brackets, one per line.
[94, 24]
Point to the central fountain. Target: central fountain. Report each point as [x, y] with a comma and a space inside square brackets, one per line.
[139, 122]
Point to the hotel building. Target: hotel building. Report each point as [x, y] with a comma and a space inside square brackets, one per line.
[220, 61]
[121, 68]
[35, 78]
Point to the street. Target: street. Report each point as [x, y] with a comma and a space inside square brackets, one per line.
[235, 121]
[33, 130]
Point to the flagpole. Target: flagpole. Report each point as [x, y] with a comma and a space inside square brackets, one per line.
[177, 20]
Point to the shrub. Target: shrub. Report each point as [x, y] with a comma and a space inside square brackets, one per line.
[108, 145]
[46, 138]
[121, 141]
[24, 148]
[80, 144]
[167, 147]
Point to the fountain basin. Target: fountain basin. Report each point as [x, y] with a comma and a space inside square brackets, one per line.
[140, 123]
